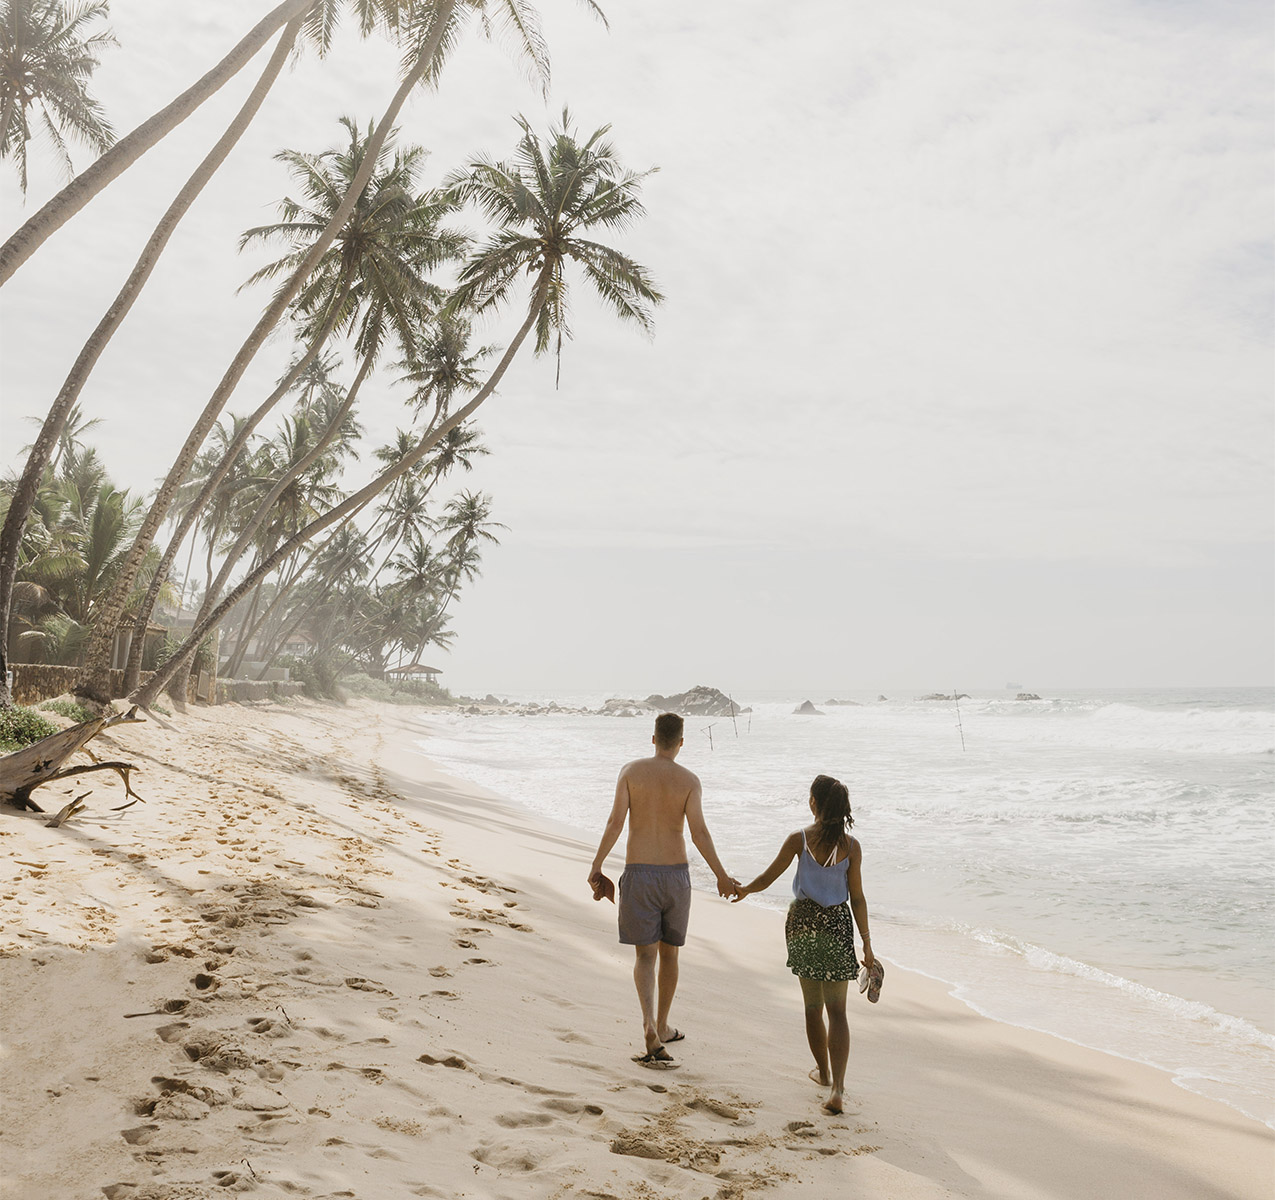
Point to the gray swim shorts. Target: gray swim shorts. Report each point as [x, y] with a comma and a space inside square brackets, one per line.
[655, 903]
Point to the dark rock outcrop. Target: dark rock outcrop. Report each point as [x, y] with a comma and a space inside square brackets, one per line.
[1027, 696]
[700, 701]
[806, 709]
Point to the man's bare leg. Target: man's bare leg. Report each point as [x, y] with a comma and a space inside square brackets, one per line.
[644, 981]
[816, 1034]
[834, 998]
[667, 986]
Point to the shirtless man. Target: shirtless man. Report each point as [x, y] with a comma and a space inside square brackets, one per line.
[656, 796]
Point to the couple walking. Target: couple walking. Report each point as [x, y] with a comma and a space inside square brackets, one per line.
[658, 798]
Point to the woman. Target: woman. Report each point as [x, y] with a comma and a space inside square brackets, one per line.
[827, 889]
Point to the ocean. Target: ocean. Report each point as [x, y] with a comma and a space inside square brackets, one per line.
[1096, 865]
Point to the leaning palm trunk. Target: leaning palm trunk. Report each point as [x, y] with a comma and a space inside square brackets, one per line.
[241, 644]
[281, 640]
[285, 589]
[263, 511]
[292, 473]
[94, 681]
[155, 685]
[27, 240]
[51, 432]
[238, 444]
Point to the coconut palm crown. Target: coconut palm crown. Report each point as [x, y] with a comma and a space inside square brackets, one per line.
[542, 200]
[46, 61]
[376, 272]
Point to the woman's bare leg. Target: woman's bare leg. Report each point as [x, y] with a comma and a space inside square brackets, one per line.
[816, 1034]
[834, 999]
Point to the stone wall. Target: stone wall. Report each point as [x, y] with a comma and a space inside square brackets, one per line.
[244, 691]
[34, 682]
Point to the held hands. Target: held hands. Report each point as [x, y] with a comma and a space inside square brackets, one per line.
[740, 893]
[728, 886]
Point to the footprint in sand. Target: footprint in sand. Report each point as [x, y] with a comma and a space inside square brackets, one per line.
[521, 1120]
[572, 1107]
[451, 1060]
[507, 1157]
[269, 1027]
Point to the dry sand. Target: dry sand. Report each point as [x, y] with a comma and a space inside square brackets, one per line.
[313, 965]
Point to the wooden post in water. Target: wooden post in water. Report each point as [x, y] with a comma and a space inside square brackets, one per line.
[956, 695]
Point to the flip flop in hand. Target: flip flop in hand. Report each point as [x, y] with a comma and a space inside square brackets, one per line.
[870, 980]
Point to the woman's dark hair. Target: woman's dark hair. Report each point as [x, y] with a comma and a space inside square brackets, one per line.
[832, 808]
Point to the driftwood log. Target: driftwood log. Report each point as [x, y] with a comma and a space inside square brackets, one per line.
[41, 762]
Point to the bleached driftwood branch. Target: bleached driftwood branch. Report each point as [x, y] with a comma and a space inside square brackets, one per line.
[41, 762]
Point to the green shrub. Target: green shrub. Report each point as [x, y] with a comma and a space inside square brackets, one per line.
[68, 709]
[413, 691]
[317, 673]
[20, 727]
[171, 644]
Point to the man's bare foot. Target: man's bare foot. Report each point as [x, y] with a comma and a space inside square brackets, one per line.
[832, 1106]
[672, 1035]
[819, 1077]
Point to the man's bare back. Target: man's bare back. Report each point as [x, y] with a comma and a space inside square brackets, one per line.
[657, 794]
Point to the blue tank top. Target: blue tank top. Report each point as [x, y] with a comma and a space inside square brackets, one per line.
[827, 885]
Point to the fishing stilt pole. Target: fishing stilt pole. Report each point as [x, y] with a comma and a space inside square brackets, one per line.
[957, 697]
[709, 731]
[732, 713]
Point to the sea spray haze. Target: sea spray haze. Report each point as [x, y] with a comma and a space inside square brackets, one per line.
[1095, 865]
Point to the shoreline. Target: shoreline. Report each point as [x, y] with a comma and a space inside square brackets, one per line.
[372, 964]
[1205, 1028]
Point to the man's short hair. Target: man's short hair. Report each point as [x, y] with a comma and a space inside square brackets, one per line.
[668, 730]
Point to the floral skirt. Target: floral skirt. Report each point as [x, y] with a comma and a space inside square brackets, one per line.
[821, 941]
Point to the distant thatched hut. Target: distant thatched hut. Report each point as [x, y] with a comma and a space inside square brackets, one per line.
[414, 671]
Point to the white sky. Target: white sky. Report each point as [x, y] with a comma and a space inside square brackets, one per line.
[964, 374]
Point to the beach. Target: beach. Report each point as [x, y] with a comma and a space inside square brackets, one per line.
[315, 964]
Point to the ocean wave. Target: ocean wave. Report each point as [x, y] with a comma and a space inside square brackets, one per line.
[1042, 959]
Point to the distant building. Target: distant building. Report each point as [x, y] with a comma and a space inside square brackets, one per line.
[414, 671]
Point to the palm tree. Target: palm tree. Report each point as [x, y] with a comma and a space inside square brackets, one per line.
[402, 514]
[468, 518]
[429, 32]
[46, 61]
[68, 396]
[72, 551]
[543, 200]
[71, 436]
[374, 278]
[124, 153]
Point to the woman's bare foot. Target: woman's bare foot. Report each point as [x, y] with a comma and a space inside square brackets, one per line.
[819, 1077]
[832, 1106]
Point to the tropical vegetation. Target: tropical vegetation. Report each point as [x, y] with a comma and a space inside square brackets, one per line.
[288, 558]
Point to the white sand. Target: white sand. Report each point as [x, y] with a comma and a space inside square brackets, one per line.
[376, 981]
